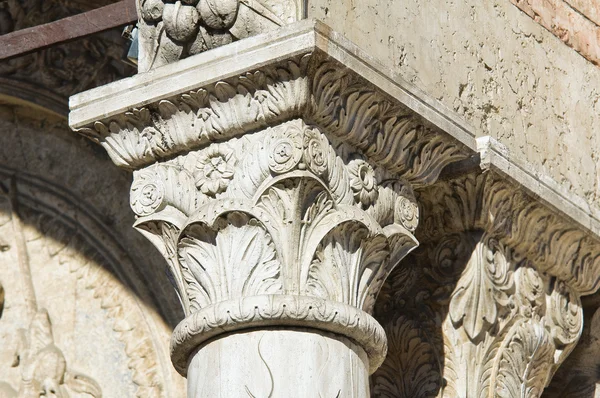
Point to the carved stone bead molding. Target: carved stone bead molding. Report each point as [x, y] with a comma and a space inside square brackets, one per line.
[171, 30]
[279, 310]
[490, 305]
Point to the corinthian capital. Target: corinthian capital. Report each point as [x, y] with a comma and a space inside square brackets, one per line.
[490, 305]
[277, 228]
[277, 175]
[280, 191]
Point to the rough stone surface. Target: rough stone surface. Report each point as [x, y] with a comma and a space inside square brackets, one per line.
[575, 22]
[504, 73]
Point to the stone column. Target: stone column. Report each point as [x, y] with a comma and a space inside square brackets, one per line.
[277, 181]
[490, 305]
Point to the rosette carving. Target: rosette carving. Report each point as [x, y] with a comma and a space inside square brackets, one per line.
[406, 209]
[267, 221]
[315, 152]
[215, 169]
[362, 182]
[160, 186]
[147, 193]
[309, 86]
[285, 153]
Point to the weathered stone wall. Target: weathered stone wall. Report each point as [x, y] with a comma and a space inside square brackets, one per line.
[97, 302]
[490, 62]
[575, 22]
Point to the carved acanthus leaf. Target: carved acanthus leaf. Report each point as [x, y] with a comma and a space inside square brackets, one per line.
[487, 282]
[235, 258]
[307, 86]
[484, 285]
[525, 362]
[284, 212]
[549, 241]
[345, 264]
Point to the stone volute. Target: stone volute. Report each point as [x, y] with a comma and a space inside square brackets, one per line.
[277, 175]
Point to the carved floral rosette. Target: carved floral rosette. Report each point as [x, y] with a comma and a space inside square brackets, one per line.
[293, 180]
[283, 196]
[282, 227]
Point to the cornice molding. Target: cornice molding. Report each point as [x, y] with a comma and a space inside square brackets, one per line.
[283, 166]
[496, 157]
[251, 54]
[307, 41]
[300, 76]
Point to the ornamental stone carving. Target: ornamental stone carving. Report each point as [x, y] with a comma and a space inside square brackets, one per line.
[281, 197]
[60, 250]
[484, 308]
[280, 189]
[44, 371]
[172, 30]
[286, 243]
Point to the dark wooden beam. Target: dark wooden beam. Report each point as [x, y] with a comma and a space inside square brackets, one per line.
[25, 41]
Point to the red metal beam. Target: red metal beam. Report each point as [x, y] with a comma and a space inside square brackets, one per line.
[32, 39]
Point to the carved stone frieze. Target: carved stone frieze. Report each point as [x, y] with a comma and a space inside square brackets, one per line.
[105, 313]
[280, 189]
[38, 356]
[490, 304]
[552, 243]
[44, 370]
[306, 86]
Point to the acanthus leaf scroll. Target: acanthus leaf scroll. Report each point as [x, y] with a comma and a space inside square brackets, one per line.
[305, 86]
